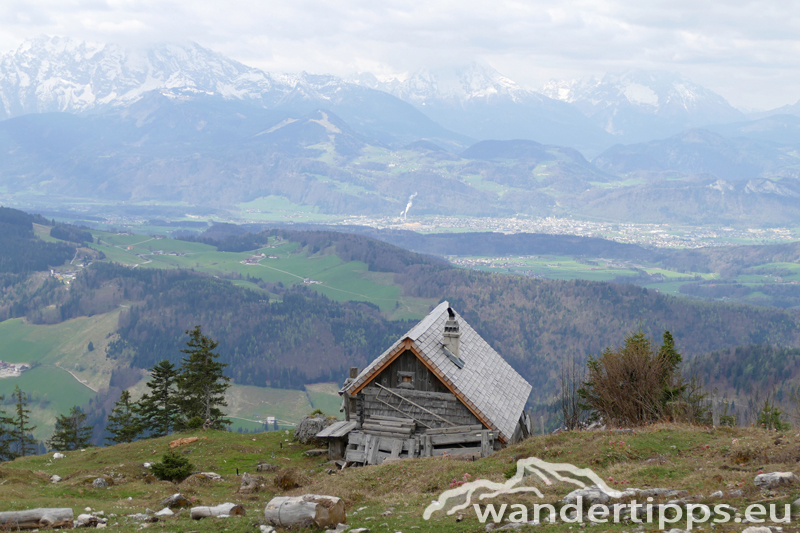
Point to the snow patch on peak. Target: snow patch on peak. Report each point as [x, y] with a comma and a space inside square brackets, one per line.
[455, 85]
[640, 94]
[62, 74]
[641, 104]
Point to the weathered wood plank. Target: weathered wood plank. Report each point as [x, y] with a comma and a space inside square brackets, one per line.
[372, 449]
[355, 456]
[397, 447]
[356, 438]
[455, 438]
[412, 447]
[386, 435]
[383, 423]
[427, 447]
[37, 518]
[457, 429]
[395, 419]
[387, 444]
[457, 451]
[487, 444]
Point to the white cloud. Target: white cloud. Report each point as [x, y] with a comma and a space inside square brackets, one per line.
[747, 51]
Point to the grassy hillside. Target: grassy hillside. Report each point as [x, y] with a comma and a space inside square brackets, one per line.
[291, 265]
[68, 374]
[697, 460]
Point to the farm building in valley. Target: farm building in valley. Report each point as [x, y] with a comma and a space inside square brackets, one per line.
[438, 390]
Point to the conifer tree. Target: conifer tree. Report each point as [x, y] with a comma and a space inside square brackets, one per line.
[201, 383]
[674, 386]
[123, 422]
[21, 429]
[71, 432]
[159, 409]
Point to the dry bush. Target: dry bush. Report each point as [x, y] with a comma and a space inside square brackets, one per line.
[290, 478]
[626, 385]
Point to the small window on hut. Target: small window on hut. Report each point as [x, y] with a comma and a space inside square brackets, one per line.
[405, 380]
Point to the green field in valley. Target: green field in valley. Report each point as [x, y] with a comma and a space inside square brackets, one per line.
[569, 268]
[285, 262]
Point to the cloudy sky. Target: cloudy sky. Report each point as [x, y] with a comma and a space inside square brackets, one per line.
[745, 50]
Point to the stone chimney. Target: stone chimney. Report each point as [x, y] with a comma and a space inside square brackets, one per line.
[452, 333]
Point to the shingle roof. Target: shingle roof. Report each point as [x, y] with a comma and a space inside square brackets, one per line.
[486, 384]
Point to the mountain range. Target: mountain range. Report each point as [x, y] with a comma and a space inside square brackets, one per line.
[101, 123]
[49, 74]
[453, 105]
[641, 105]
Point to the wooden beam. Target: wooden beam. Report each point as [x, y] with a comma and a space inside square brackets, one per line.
[420, 422]
[418, 406]
[457, 429]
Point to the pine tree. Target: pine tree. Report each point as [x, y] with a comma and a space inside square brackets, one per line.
[5, 435]
[123, 422]
[20, 425]
[201, 383]
[674, 386]
[71, 432]
[159, 409]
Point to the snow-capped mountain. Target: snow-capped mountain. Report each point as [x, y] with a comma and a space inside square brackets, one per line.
[455, 86]
[478, 101]
[48, 74]
[639, 105]
[61, 74]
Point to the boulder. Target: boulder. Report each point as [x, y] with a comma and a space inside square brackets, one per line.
[589, 496]
[661, 492]
[166, 511]
[176, 501]
[266, 467]
[774, 480]
[55, 478]
[86, 520]
[249, 485]
[99, 483]
[213, 476]
[306, 431]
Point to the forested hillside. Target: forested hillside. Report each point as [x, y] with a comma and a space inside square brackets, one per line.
[21, 251]
[306, 337]
[286, 336]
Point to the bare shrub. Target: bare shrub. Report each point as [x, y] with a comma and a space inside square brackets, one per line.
[626, 384]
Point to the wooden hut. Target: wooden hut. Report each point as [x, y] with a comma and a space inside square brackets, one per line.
[439, 390]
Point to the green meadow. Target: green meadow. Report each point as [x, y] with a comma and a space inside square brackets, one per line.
[323, 272]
